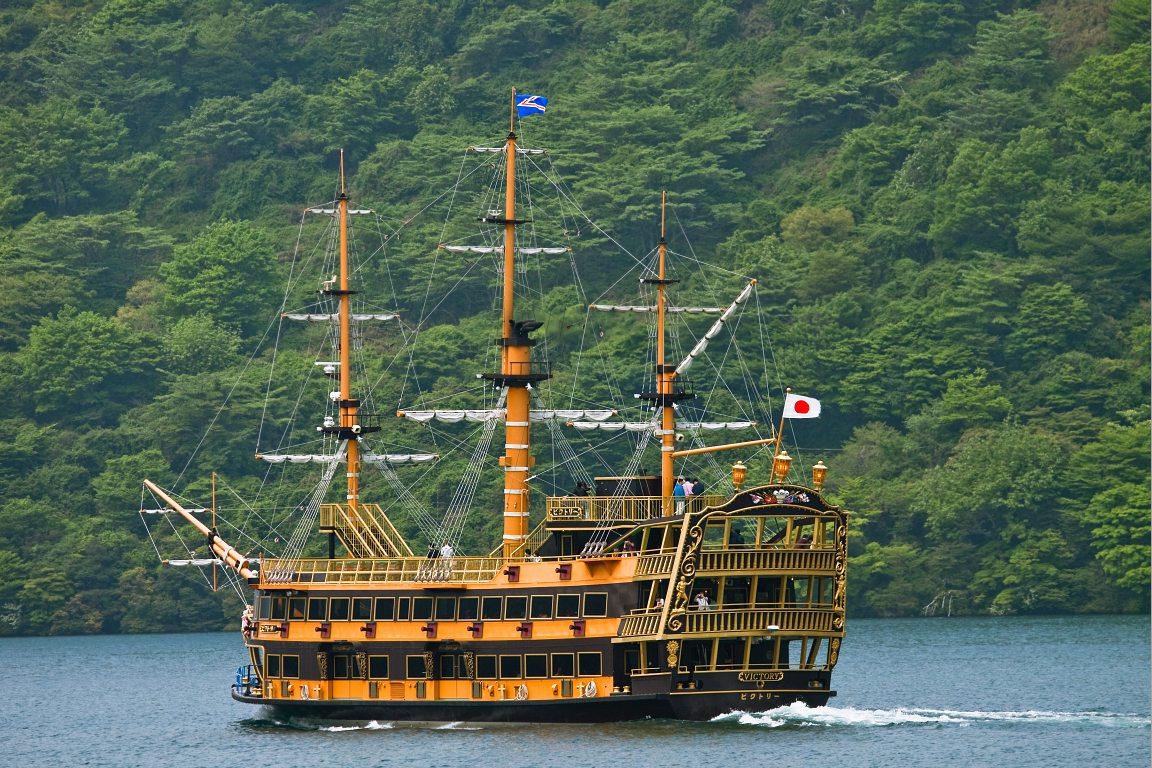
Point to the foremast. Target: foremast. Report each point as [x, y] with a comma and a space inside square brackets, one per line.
[516, 373]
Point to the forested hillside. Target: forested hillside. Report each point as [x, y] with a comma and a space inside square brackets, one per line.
[947, 204]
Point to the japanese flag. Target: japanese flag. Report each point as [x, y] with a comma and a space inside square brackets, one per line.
[800, 407]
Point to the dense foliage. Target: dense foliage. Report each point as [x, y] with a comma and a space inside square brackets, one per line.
[948, 203]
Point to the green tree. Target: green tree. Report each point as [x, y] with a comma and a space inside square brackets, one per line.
[87, 367]
[228, 273]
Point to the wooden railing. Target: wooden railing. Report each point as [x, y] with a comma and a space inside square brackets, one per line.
[624, 508]
[397, 569]
[737, 621]
[820, 562]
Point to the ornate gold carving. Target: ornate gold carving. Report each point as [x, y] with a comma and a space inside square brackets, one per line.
[362, 664]
[673, 654]
[322, 663]
[429, 669]
[470, 665]
[833, 653]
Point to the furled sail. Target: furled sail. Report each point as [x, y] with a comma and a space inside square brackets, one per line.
[321, 318]
[481, 415]
[645, 308]
[500, 249]
[638, 426]
[714, 331]
[324, 458]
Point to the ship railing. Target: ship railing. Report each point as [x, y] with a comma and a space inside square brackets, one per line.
[736, 621]
[623, 508]
[767, 559]
[759, 560]
[377, 570]
[658, 564]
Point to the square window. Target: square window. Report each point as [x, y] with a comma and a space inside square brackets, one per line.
[272, 665]
[296, 608]
[447, 667]
[421, 608]
[596, 604]
[445, 609]
[402, 609]
[279, 608]
[414, 668]
[563, 665]
[510, 668]
[485, 667]
[590, 664]
[535, 665]
[291, 666]
[340, 667]
[541, 607]
[264, 608]
[516, 608]
[338, 609]
[567, 606]
[318, 609]
[469, 608]
[492, 608]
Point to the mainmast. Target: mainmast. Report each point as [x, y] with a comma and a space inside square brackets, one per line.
[516, 374]
[349, 427]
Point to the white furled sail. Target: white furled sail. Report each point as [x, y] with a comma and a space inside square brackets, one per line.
[639, 308]
[714, 331]
[324, 458]
[322, 318]
[482, 415]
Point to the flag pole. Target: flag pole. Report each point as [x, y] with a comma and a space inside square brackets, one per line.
[780, 438]
[512, 113]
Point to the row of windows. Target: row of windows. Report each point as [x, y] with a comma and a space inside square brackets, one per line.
[452, 666]
[489, 608]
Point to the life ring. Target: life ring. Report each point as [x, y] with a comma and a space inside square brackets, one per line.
[590, 690]
[304, 692]
[522, 692]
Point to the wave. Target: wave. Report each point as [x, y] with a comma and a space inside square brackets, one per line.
[369, 726]
[799, 715]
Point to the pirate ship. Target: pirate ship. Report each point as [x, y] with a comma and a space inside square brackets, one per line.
[625, 600]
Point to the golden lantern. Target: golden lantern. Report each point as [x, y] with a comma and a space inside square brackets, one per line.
[818, 472]
[780, 466]
[739, 472]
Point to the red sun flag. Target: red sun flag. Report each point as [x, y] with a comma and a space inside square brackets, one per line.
[800, 407]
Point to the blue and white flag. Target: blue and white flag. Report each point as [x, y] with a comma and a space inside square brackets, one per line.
[526, 104]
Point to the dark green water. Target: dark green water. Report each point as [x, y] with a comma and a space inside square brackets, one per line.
[1013, 692]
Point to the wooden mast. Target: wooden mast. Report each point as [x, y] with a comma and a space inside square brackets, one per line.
[349, 408]
[515, 370]
[664, 373]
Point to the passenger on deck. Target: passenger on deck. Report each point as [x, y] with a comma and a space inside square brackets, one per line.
[629, 549]
[702, 602]
[247, 621]
[678, 495]
[582, 489]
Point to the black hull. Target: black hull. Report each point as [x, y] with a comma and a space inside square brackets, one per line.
[684, 706]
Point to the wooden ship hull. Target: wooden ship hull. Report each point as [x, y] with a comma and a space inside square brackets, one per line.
[568, 637]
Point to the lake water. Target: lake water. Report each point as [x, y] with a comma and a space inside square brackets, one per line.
[1012, 692]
